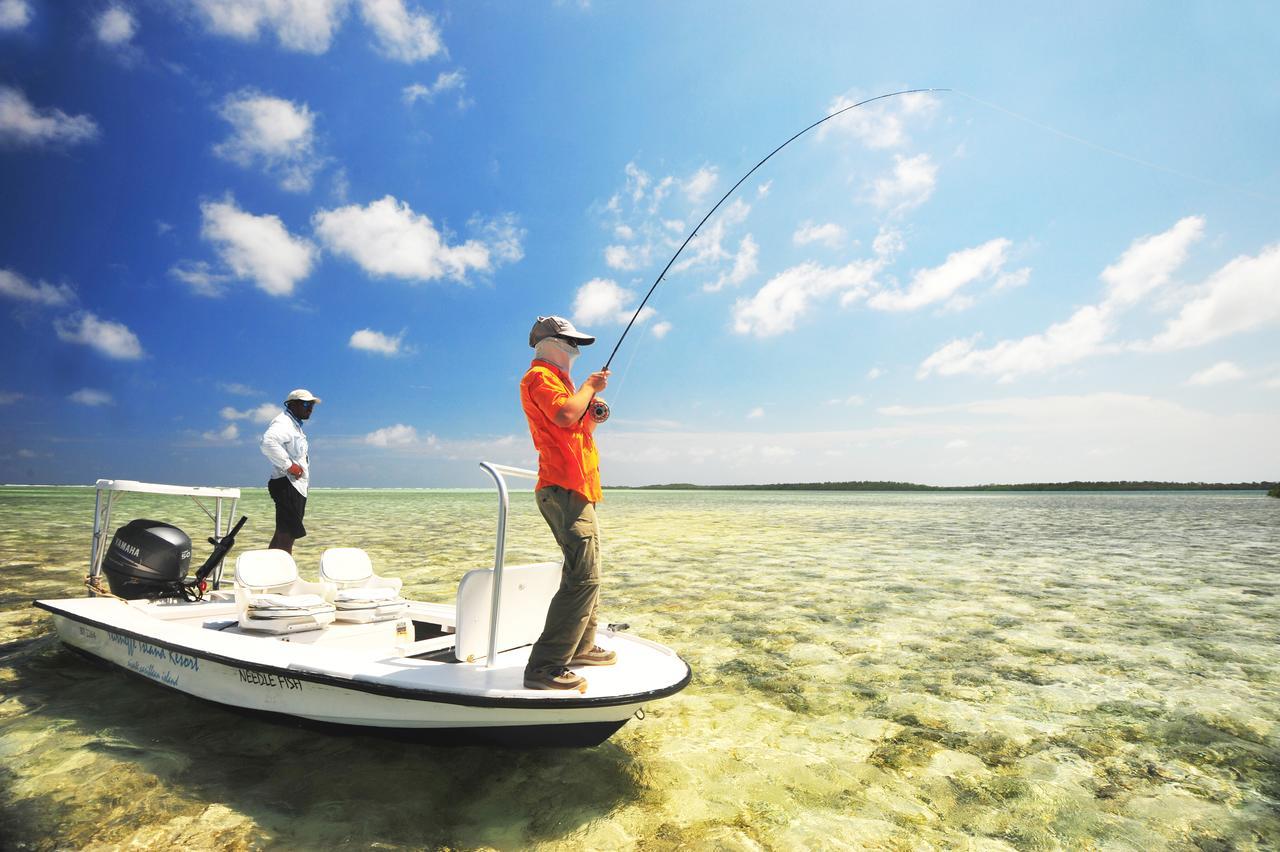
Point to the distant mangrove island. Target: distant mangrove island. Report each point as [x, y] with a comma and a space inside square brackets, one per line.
[1123, 485]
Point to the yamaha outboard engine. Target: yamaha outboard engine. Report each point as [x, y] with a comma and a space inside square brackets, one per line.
[147, 559]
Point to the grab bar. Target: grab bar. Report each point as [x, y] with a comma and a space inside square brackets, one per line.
[495, 603]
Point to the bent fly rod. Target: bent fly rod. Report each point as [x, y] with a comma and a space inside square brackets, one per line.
[694, 233]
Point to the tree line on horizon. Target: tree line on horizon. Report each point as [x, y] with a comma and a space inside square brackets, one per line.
[1074, 485]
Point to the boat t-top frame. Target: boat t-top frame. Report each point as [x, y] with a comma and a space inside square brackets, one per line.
[108, 491]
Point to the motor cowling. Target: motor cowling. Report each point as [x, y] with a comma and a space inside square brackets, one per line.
[147, 559]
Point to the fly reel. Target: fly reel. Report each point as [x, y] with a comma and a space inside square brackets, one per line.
[599, 410]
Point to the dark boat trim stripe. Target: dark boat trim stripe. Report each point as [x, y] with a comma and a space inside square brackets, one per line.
[389, 690]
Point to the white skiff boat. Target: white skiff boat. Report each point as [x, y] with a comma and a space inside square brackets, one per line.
[346, 650]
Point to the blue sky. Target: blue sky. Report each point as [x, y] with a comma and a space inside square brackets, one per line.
[1068, 268]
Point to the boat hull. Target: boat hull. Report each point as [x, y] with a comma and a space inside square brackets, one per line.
[315, 699]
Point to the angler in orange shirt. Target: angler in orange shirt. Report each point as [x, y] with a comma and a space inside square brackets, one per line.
[568, 489]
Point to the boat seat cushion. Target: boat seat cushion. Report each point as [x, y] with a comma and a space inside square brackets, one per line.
[364, 596]
[270, 602]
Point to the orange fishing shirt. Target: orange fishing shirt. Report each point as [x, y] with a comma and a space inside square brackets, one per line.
[567, 455]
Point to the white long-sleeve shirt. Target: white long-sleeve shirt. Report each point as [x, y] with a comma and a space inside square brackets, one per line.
[284, 444]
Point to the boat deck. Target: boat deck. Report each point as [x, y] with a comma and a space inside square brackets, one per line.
[410, 654]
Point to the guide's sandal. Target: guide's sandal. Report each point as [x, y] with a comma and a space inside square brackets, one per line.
[597, 656]
[558, 678]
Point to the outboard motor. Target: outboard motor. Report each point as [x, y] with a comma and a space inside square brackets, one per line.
[147, 559]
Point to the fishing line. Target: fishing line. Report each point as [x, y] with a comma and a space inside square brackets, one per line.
[694, 233]
[627, 369]
[1104, 149]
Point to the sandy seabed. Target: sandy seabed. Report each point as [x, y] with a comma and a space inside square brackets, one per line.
[871, 671]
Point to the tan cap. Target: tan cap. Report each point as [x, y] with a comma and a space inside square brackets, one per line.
[557, 327]
[302, 395]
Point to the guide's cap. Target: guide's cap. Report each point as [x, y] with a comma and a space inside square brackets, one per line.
[557, 327]
[302, 395]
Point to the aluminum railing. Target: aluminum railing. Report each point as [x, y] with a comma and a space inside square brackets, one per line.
[497, 471]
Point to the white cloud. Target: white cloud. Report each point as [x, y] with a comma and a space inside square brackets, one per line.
[200, 277]
[647, 217]
[257, 248]
[707, 248]
[375, 341]
[700, 184]
[957, 444]
[916, 410]
[660, 329]
[745, 264]
[909, 186]
[115, 26]
[228, 433]
[14, 14]
[14, 286]
[446, 81]
[755, 413]
[239, 389]
[1063, 343]
[91, 397]
[786, 297]
[929, 286]
[882, 124]
[8, 397]
[637, 181]
[387, 238]
[888, 243]
[1011, 280]
[1223, 371]
[618, 257]
[309, 25]
[1241, 296]
[1103, 436]
[112, 339]
[264, 413]
[21, 123]
[1148, 263]
[340, 184]
[398, 435]
[502, 235]
[829, 234]
[874, 373]
[302, 25]
[402, 34]
[602, 300]
[273, 133]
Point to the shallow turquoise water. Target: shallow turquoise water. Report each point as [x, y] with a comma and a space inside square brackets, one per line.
[886, 671]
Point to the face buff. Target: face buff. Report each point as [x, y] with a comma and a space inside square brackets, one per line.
[562, 353]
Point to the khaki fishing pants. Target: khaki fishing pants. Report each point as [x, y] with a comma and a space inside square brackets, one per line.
[571, 619]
